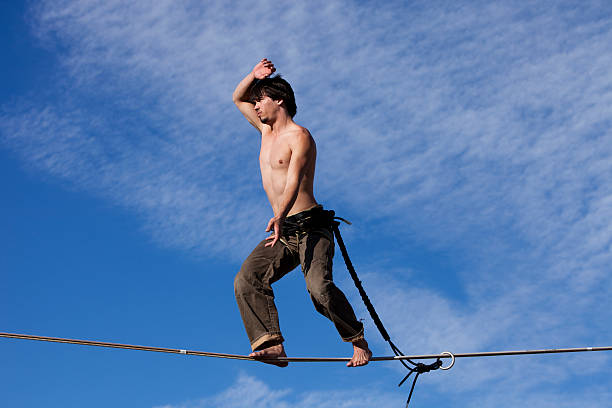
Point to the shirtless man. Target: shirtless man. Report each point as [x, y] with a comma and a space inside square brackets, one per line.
[300, 228]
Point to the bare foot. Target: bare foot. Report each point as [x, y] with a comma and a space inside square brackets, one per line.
[270, 353]
[361, 354]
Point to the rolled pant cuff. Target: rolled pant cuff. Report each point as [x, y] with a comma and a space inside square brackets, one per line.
[268, 337]
[358, 336]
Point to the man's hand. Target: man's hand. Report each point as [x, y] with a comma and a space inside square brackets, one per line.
[263, 69]
[275, 224]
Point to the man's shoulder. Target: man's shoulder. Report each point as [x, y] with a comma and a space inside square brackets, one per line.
[301, 139]
[298, 132]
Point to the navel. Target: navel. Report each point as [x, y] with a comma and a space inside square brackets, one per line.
[280, 162]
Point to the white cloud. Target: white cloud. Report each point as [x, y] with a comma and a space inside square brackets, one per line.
[252, 392]
[421, 321]
[462, 122]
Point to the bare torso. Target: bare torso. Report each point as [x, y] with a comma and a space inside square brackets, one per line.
[274, 160]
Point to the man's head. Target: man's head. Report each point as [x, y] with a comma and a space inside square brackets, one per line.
[277, 89]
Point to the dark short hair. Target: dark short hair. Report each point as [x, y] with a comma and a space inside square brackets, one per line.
[277, 89]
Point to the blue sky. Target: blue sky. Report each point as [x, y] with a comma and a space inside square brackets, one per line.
[469, 143]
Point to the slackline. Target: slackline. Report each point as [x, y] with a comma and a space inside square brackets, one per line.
[419, 367]
[295, 359]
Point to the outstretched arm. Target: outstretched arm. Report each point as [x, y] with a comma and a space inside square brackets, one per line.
[263, 69]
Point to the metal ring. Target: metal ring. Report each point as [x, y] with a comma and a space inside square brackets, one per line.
[452, 363]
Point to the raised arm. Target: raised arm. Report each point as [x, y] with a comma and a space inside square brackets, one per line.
[263, 69]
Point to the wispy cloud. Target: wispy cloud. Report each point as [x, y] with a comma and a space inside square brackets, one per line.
[253, 392]
[178, 209]
[467, 123]
[528, 316]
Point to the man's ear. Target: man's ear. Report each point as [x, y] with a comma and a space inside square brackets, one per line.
[279, 102]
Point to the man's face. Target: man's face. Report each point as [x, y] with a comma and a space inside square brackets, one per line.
[266, 108]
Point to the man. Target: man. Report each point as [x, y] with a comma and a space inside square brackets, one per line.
[300, 229]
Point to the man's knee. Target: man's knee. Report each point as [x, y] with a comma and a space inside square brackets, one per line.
[241, 284]
[320, 290]
[249, 280]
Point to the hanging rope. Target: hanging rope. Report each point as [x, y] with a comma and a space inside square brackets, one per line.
[411, 366]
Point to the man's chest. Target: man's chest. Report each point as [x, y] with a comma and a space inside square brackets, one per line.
[274, 154]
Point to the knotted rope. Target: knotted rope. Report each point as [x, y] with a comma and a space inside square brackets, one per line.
[411, 366]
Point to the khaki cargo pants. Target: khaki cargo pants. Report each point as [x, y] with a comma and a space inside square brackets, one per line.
[313, 250]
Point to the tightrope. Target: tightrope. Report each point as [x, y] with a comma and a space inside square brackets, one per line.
[295, 359]
[418, 368]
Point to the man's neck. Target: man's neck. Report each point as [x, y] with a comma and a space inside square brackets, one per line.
[281, 123]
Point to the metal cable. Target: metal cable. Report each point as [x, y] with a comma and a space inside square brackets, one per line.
[295, 359]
